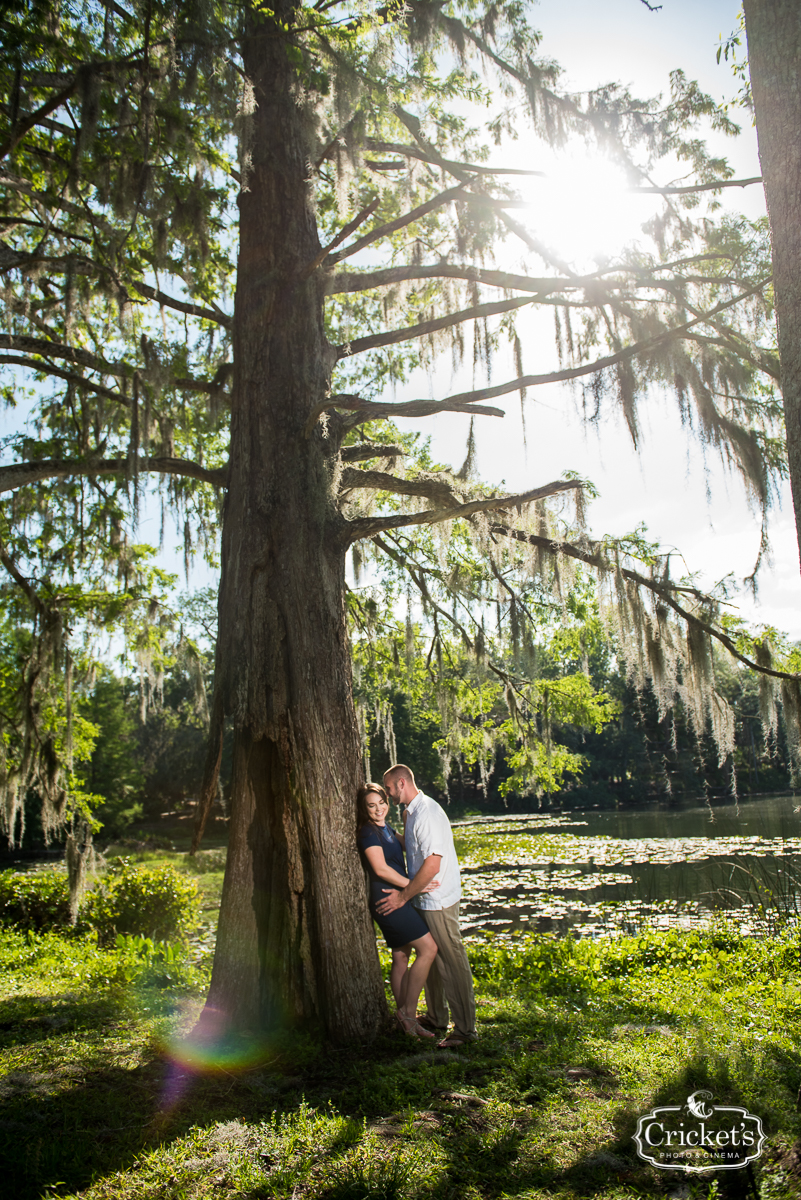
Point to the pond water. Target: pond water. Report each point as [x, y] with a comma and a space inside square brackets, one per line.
[599, 871]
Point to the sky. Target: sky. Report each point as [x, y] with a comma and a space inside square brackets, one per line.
[685, 497]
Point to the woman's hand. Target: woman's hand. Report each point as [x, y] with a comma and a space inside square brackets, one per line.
[431, 887]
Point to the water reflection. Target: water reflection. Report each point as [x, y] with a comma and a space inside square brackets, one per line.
[602, 871]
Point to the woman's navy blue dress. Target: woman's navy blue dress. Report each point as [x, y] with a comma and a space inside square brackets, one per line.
[405, 924]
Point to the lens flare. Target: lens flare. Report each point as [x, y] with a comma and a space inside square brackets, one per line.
[210, 1049]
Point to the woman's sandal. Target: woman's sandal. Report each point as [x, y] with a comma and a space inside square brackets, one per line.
[410, 1026]
[427, 1023]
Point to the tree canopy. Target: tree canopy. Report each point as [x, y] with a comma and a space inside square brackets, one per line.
[229, 231]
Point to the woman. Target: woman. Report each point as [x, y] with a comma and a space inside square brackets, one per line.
[404, 929]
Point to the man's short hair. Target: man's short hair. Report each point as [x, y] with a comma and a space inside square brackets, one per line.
[400, 771]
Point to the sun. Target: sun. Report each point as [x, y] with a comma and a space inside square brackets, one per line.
[583, 208]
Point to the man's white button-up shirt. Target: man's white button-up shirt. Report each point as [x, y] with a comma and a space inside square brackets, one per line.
[428, 831]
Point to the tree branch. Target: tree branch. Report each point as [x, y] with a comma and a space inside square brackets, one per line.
[11, 259]
[57, 203]
[192, 310]
[69, 376]
[739, 345]
[425, 327]
[477, 169]
[19, 474]
[344, 232]
[732, 342]
[364, 527]
[384, 482]
[458, 30]
[15, 137]
[665, 591]
[600, 364]
[613, 276]
[416, 572]
[368, 410]
[73, 354]
[418, 153]
[715, 186]
[362, 281]
[412, 123]
[211, 386]
[25, 584]
[93, 362]
[366, 450]
[414, 214]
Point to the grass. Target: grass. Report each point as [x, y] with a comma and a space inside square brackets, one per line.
[577, 1039]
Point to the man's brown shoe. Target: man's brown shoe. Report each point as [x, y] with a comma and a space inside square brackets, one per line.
[427, 1023]
[452, 1040]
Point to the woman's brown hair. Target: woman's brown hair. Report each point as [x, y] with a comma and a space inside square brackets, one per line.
[369, 789]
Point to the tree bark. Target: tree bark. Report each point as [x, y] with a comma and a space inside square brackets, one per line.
[773, 29]
[295, 944]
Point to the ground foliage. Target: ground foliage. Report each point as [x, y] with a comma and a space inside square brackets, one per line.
[576, 1040]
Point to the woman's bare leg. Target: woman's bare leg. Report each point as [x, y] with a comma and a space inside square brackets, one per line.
[414, 979]
[397, 976]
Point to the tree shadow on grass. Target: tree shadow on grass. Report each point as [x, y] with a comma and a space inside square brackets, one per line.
[65, 1132]
[66, 1138]
[27, 1019]
[67, 1121]
[68, 1115]
[611, 1163]
[98, 1126]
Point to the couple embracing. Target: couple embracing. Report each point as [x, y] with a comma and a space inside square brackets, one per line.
[418, 911]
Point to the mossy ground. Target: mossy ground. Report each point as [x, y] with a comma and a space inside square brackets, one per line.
[101, 1097]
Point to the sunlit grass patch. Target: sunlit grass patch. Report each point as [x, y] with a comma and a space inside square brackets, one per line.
[373, 1171]
[372, 1177]
[56, 961]
[52, 960]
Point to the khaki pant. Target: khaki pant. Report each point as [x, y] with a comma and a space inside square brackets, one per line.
[450, 981]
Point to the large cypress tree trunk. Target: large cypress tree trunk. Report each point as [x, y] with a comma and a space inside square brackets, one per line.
[774, 59]
[295, 942]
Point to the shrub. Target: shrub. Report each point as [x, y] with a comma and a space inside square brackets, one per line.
[34, 899]
[155, 902]
[205, 861]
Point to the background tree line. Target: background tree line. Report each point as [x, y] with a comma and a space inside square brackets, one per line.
[139, 765]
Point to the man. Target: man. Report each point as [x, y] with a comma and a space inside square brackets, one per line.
[430, 854]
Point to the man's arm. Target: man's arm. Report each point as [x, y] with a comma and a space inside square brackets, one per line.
[428, 869]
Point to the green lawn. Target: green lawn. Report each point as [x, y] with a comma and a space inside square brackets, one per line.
[101, 1097]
